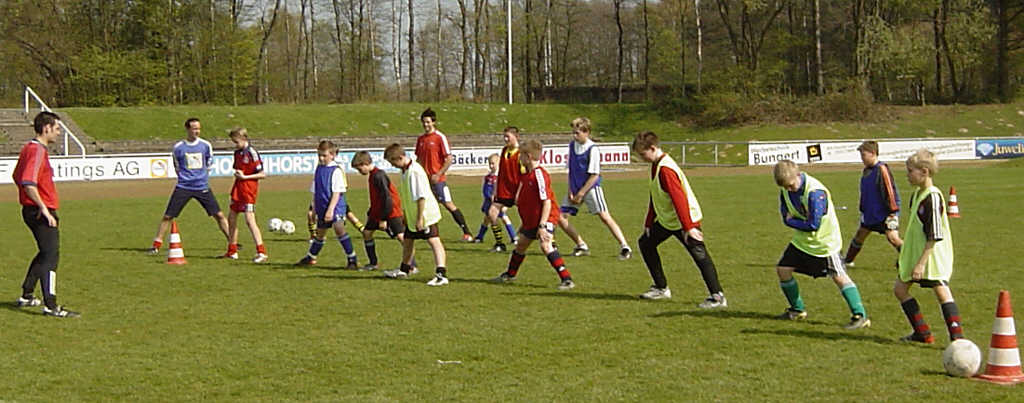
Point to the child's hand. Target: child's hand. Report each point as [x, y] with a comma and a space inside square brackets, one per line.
[329, 216]
[695, 234]
[434, 178]
[918, 273]
[420, 226]
[239, 174]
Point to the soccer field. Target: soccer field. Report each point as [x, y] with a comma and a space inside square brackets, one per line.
[233, 330]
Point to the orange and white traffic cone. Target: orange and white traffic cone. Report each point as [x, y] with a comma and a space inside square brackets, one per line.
[1003, 365]
[175, 254]
[953, 210]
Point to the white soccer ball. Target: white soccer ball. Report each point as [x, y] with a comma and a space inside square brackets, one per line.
[962, 358]
[275, 224]
[288, 227]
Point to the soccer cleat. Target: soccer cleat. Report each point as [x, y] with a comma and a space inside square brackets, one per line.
[657, 293]
[857, 322]
[503, 278]
[498, 248]
[566, 285]
[232, 256]
[306, 261]
[714, 302]
[438, 280]
[398, 273]
[352, 266]
[625, 253]
[260, 258]
[467, 238]
[26, 302]
[918, 338]
[578, 251]
[368, 267]
[792, 314]
[849, 264]
[153, 251]
[60, 312]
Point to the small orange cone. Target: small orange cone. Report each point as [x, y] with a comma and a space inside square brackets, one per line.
[954, 209]
[1003, 365]
[175, 254]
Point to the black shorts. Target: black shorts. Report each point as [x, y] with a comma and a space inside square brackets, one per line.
[180, 197]
[505, 202]
[813, 266]
[396, 226]
[430, 232]
[531, 233]
[879, 228]
[930, 283]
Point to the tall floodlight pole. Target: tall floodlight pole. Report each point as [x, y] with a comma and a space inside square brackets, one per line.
[508, 46]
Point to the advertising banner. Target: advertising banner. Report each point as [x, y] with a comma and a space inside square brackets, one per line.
[1000, 149]
[846, 151]
[274, 163]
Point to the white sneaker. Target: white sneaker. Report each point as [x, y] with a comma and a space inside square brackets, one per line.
[657, 293]
[438, 280]
[398, 273]
[566, 285]
[625, 253]
[260, 258]
[714, 302]
[24, 303]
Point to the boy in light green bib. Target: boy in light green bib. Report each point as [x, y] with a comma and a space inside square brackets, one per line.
[927, 254]
[806, 206]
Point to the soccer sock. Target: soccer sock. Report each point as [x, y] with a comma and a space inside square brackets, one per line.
[852, 250]
[346, 243]
[358, 224]
[508, 226]
[459, 219]
[514, 262]
[852, 296]
[315, 246]
[311, 226]
[232, 248]
[952, 315]
[371, 251]
[559, 265]
[481, 232]
[498, 239]
[405, 268]
[261, 249]
[157, 244]
[792, 291]
[700, 255]
[441, 270]
[913, 312]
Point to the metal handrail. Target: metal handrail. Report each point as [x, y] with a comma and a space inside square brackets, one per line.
[64, 127]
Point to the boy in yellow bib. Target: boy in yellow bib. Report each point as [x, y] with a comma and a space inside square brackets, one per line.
[927, 254]
[806, 206]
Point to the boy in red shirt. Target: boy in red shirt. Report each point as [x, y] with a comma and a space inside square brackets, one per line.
[385, 206]
[38, 198]
[248, 171]
[539, 213]
[434, 154]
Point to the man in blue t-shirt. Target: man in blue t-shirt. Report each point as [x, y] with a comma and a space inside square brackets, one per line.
[193, 158]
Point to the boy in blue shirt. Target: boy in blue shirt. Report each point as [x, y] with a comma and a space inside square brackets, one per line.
[193, 158]
[488, 190]
[329, 205]
[879, 203]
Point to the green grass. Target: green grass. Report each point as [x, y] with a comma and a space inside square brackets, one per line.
[611, 122]
[229, 330]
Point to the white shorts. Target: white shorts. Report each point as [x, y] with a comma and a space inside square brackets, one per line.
[594, 199]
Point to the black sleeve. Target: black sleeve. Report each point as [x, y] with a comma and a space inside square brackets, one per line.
[382, 184]
[930, 213]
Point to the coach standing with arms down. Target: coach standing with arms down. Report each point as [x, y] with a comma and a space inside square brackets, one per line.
[38, 198]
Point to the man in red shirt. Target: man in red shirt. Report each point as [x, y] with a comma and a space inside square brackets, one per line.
[539, 213]
[434, 154]
[38, 198]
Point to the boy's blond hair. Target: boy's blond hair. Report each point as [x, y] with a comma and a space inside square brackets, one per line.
[923, 159]
[238, 132]
[393, 151]
[785, 171]
[328, 146]
[493, 158]
[362, 158]
[533, 148]
[581, 123]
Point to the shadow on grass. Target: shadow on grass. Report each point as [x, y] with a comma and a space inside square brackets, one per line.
[932, 372]
[487, 281]
[817, 334]
[28, 311]
[581, 295]
[720, 313]
[143, 250]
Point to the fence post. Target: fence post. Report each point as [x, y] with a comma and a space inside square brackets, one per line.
[716, 154]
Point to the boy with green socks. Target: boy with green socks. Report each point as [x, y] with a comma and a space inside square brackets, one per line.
[806, 206]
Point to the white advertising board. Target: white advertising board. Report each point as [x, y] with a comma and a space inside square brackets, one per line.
[846, 151]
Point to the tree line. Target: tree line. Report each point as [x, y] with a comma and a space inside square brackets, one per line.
[142, 52]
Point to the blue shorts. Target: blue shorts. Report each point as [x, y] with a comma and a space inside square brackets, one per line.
[339, 214]
[441, 192]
